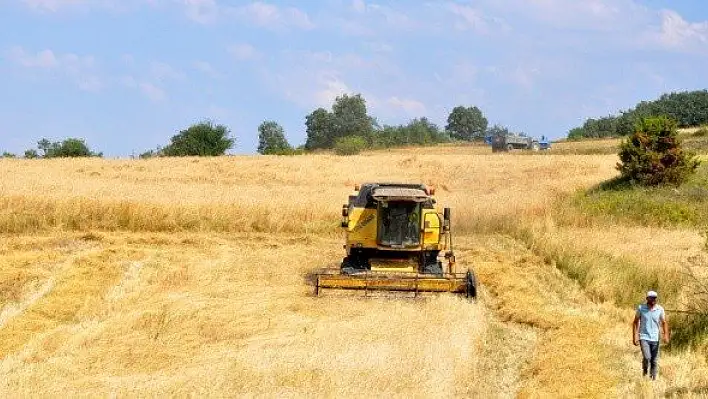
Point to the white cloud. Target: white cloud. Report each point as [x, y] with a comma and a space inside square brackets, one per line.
[524, 76]
[677, 33]
[201, 11]
[161, 71]
[44, 59]
[148, 89]
[128, 59]
[313, 79]
[90, 83]
[54, 6]
[359, 5]
[600, 15]
[409, 106]
[152, 92]
[243, 51]
[154, 78]
[273, 17]
[206, 68]
[330, 86]
[469, 18]
[379, 47]
[51, 5]
[80, 69]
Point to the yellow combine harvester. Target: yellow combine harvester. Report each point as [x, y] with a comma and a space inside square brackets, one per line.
[395, 236]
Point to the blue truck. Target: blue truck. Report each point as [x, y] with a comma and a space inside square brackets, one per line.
[512, 141]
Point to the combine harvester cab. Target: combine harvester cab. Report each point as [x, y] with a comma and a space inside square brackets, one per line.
[394, 239]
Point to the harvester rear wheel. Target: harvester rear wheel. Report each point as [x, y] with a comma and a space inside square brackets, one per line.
[471, 284]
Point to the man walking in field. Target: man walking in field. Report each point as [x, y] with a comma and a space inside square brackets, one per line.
[645, 332]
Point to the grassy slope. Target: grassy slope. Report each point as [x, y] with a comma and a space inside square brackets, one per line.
[685, 206]
[207, 312]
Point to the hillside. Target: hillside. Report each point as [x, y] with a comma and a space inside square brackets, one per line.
[189, 277]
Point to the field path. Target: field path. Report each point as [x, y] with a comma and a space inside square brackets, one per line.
[12, 310]
[579, 352]
[178, 315]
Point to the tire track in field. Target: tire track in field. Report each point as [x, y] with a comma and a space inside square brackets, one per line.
[81, 278]
[12, 310]
[15, 309]
[572, 357]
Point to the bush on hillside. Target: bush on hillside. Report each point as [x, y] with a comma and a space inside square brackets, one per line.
[68, 148]
[201, 139]
[419, 132]
[350, 145]
[652, 155]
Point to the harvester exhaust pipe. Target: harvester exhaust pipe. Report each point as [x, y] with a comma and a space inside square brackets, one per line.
[447, 221]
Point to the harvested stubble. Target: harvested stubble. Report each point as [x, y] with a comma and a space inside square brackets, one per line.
[197, 281]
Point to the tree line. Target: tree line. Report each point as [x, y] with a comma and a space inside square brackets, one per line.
[687, 108]
[347, 128]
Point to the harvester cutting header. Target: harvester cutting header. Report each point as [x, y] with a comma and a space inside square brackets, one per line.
[396, 239]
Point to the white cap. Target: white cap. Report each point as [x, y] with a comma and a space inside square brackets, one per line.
[652, 294]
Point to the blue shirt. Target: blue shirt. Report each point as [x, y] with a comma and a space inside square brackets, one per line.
[649, 320]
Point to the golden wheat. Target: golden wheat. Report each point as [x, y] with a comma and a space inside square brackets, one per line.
[189, 277]
[269, 193]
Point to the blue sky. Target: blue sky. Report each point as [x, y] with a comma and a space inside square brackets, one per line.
[126, 75]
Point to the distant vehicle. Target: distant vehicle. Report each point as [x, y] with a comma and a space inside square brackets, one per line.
[513, 141]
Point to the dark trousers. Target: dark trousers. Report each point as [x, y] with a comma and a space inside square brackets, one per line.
[650, 355]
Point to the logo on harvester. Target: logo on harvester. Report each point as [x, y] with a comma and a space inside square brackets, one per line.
[364, 222]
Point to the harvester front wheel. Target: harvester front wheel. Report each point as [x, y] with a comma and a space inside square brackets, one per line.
[431, 263]
[354, 264]
[471, 284]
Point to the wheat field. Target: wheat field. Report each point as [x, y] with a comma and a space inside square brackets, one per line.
[189, 277]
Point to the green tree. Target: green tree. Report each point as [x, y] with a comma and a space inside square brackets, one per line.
[652, 155]
[498, 130]
[8, 155]
[576, 133]
[44, 145]
[151, 153]
[466, 123]
[688, 109]
[71, 148]
[419, 131]
[271, 139]
[201, 139]
[351, 117]
[320, 129]
[31, 154]
[348, 118]
[349, 145]
[68, 148]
